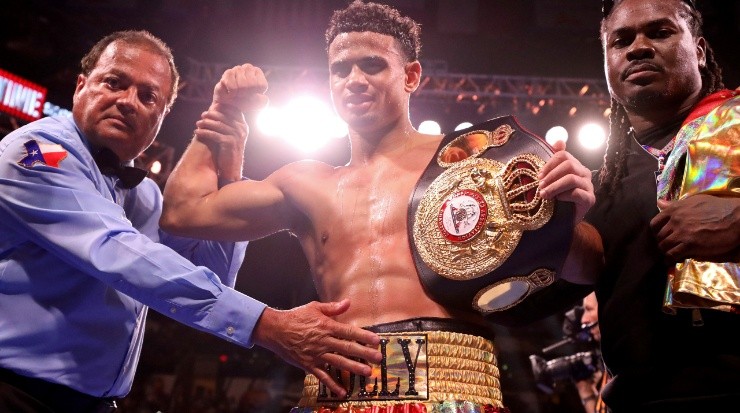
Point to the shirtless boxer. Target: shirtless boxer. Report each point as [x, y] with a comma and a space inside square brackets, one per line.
[352, 220]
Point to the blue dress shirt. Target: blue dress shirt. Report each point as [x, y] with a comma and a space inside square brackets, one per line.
[81, 259]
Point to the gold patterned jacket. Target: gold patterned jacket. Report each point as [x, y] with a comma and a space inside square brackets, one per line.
[710, 141]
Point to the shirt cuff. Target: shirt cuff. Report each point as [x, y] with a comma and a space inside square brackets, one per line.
[234, 316]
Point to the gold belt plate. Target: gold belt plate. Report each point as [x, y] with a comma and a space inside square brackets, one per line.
[472, 216]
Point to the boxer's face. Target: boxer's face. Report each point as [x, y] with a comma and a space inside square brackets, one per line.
[370, 80]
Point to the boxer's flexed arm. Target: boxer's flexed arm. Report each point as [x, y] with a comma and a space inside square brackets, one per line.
[197, 201]
[223, 128]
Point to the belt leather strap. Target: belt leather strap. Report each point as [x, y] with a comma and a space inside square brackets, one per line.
[433, 324]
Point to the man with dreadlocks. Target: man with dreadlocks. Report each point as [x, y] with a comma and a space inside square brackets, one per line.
[351, 220]
[668, 211]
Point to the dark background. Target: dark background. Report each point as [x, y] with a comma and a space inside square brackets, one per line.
[43, 41]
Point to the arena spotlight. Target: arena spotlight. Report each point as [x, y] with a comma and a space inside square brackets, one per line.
[430, 127]
[556, 133]
[269, 121]
[463, 125]
[592, 136]
[156, 167]
[306, 123]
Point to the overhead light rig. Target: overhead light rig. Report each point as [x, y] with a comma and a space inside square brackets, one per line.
[436, 84]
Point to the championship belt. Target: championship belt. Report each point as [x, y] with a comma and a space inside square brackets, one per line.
[481, 235]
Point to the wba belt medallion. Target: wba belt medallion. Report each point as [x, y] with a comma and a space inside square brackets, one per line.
[474, 216]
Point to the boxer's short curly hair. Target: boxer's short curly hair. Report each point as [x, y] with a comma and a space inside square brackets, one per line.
[378, 18]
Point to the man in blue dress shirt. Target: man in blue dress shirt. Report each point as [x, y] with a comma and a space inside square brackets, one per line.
[82, 256]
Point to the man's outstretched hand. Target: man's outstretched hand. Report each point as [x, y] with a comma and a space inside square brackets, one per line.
[307, 337]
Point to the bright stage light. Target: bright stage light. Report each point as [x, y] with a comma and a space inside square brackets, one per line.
[592, 136]
[556, 133]
[463, 126]
[156, 167]
[269, 121]
[430, 127]
[306, 123]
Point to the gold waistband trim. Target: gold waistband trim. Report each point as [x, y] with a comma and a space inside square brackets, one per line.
[420, 367]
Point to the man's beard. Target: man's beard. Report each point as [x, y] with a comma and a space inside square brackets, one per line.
[646, 99]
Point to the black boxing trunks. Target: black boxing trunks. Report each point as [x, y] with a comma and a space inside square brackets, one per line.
[429, 365]
[481, 236]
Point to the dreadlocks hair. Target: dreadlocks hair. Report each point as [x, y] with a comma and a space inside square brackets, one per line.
[612, 170]
[378, 18]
